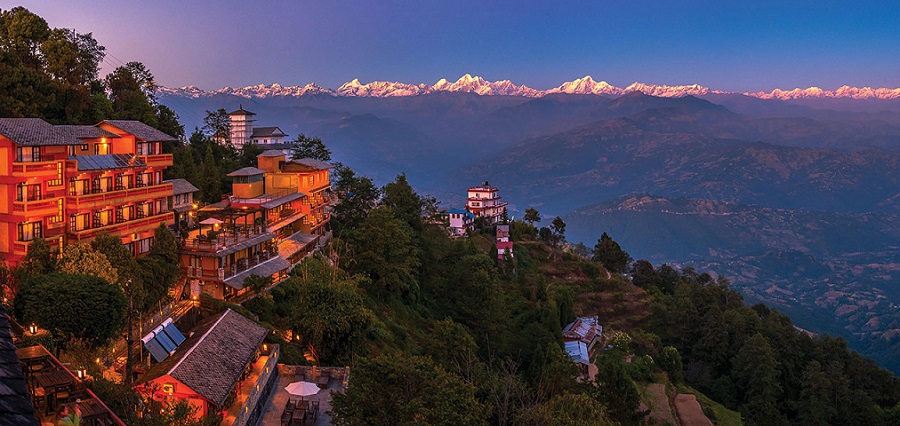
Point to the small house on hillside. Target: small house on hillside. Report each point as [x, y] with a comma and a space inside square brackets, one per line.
[461, 222]
[580, 337]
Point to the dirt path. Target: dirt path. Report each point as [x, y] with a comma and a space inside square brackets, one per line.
[689, 411]
[657, 401]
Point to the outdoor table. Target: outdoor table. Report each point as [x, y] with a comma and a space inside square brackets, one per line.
[299, 414]
[90, 409]
[54, 379]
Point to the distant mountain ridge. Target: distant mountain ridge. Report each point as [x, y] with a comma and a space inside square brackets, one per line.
[478, 85]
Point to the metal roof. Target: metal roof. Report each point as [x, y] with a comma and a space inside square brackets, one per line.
[265, 269]
[247, 171]
[312, 162]
[107, 161]
[181, 186]
[272, 153]
[15, 402]
[241, 111]
[35, 132]
[267, 131]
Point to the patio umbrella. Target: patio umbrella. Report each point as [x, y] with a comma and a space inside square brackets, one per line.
[302, 388]
[211, 221]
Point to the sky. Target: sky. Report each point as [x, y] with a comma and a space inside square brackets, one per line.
[725, 45]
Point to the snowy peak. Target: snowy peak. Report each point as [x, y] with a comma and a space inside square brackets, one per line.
[841, 92]
[587, 86]
[478, 85]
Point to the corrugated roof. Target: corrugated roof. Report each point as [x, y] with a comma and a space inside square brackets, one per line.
[281, 200]
[312, 162]
[234, 248]
[181, 186]
[212, 360]
[107, 161]
[295, 243]
[272, 153]
[141, 130]
[578, 351]
[265, 269]
[35, 132]
[247, 171]
[86, 132]
[583, 329]
[267, 131]
[15, 402]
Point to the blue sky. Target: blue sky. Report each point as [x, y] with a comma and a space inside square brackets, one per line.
[737, 46]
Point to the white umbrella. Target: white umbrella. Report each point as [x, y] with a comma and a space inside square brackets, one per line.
[211, 221]
[302, 388]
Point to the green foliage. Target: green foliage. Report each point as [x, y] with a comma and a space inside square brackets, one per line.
[331, 316]
[617, 391]
[395, 389]
[80, 306]
[257, 283]
[129, 100]
[217, 125]
[532, 215]
[404, 202]
[306, 147]
[558, 226]
[81, 259]
[385, 253]
[571, 409]
[158, 269]
[670, 362]
[40, 260]
[610, 254]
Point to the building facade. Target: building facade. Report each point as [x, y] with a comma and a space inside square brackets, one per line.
[276, 215]
[243, 131]
[66, 184]
[484, 201]
[182, 202]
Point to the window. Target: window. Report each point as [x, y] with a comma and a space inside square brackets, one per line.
[28, 192]
[79, 222]
[143, 210]
[144, 179]
[78, 187]
[101, 184]
[124, 213]
[102, 218]
[144, 148]
[129, 247]
[29, 231]
[127, 181]
[143, 246]
[28, 154]
[101, 148]
[178, 199]
[59, 176]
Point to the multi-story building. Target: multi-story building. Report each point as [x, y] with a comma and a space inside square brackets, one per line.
[275, 215]
[67, 184]
[504, 245]
[484, 201]
[461, 222]
[181, 202]
[242, 131]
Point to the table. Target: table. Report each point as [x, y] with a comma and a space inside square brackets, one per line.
[90, 410]
[54, 379]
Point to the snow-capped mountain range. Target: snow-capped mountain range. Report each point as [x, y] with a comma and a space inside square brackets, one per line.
[469, 84]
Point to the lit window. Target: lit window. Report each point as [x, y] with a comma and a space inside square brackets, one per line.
[29, 231]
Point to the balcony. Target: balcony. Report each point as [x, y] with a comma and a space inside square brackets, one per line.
[40, 169]
[119, 197]
[157, 160]
[228, 271]
[226, 241]
[34, 208]
[134, 226]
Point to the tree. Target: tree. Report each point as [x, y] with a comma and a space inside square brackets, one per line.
[531, 216]
[305, 147]
[385, 253]
[257, 283]
[608, 252]
[571, 409]
[159, 269]
[81, 259]
[404, 202]
[127, 93]
[617, 391]
[249, 152]
[217, 125]
[40, 260]
[331, 316]
[755, 370]
[395, 389]
[558, 226]
[118, 256]
[815, 404]
[357, 195]
[80, 306]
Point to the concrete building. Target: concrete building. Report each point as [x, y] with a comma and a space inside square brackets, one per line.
[484, 201]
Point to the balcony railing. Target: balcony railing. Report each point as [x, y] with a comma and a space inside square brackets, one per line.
[229, 271]
[224, 239]
[36, 207]
[127, 227]
[118, 197]
[157, 160]
[36, 169]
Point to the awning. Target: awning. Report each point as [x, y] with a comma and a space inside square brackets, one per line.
[265, 269]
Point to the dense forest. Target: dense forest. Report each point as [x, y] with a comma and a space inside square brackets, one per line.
[437, 330]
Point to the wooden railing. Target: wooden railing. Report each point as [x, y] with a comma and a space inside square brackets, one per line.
[119, 197]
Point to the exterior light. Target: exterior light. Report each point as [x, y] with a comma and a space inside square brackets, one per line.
[32, 329]
[80, 373]
[97, 360]
[265, 347]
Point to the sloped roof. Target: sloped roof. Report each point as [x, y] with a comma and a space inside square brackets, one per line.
[271, 153]
[312, 162]
[267, 131]
[265, 269]
[35, 132]
[181, 186]
[578, 351]
[583, 329]
[86, 132]
[15, 402]
[241, 111]
[141, 130]
[213, 358]
[107, 161]
[247, 171]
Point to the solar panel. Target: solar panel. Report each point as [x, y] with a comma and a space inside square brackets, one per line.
[156, 350]
[173, 333]
[164, 340]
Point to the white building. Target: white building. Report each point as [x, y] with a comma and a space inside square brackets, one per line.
[484, 201]
[243, 131]
[461, 222]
